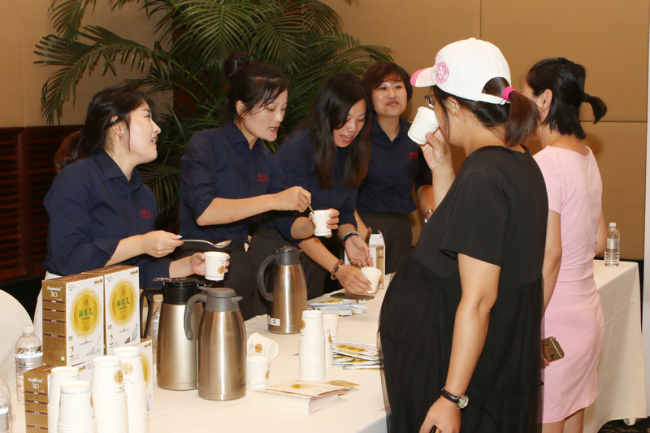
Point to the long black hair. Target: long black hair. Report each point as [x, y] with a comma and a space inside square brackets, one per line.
[106, 108]
[329, 111]
[566, 80]
[251, 83]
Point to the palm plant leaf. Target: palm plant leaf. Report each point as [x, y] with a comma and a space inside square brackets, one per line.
[209, 29]
[67, 16]
[317, 17]
[74, 58]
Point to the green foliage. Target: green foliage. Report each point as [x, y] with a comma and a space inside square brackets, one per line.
[301, 37]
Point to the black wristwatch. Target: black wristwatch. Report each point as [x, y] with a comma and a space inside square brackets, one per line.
[459, 400]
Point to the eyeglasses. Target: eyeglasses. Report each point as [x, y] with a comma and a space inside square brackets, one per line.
[430, 100]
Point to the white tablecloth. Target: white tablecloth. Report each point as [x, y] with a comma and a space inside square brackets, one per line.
[621, 377]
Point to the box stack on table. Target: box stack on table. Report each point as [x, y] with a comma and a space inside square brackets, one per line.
[85, 316]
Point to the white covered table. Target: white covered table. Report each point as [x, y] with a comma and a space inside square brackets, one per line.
[621, 376]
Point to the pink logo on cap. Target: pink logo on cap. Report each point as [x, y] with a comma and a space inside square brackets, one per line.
[441, 73]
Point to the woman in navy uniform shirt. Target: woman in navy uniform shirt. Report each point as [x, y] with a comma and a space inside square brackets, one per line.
[229, 180]
[396, 164]
[101, 213]
[329, 158]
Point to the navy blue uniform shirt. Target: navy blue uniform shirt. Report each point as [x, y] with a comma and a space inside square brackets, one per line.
[394, 167]
[219, 163]
[296, 159]
[92, 206]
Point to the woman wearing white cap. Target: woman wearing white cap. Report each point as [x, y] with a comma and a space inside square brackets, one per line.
[460, 323]
[576, 233]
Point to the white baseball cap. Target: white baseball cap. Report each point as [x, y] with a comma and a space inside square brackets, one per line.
[463, 68]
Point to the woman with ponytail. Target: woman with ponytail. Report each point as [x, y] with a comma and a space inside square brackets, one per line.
[575, 234]
[460, 322]
[230, 182]
[101, 213]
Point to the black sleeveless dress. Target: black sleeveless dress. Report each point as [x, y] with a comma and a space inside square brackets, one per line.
[495, 211]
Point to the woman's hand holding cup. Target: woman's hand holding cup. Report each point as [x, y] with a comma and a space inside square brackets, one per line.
[353, 280]
[436, 150]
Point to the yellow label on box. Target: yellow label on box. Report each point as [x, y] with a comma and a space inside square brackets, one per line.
[85, 313]
[122, 302]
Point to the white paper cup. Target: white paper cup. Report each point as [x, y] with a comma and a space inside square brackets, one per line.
[329, 354]
[331, 320]
[258, 369]
[312, 324]
[259, 345]
[58, 376]
[425, 121]
[131, 365]
[215, 265]
[373, 274]
[75, 408]
[319, 218]
[107, 378]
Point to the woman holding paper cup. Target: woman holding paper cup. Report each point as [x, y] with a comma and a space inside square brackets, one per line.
[455, 354]
[329, 158]
[101, 213]
[576, 233]
[396, 165]
[229, 180]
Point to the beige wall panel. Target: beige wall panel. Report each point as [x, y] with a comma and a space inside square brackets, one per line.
[414, 33]
[12, 107]
[609, 39]
[620, 150]
[130, 22]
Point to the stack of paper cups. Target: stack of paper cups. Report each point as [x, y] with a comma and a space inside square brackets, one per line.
[312, 346]
[329, 354]
[136, 388]
[58, 376]
[332, 320]
[76, 413]
[109, 395]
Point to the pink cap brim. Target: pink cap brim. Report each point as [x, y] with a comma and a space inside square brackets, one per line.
[422, 78]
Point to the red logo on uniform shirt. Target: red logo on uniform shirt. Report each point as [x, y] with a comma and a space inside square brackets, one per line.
[262, 178]
[413, 155]
[144, 213]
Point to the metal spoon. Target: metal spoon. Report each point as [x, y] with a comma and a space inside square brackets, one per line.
[217, 245]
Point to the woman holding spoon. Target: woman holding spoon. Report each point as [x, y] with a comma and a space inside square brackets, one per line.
[101, 213]
[329, 157]
[229, 181]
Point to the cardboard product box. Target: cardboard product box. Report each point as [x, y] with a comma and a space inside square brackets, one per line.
[378, 254]
[73, 319]
[146, 353]
[121, 305]
[36, 387]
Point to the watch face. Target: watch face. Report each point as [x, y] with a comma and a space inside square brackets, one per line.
[463, 401]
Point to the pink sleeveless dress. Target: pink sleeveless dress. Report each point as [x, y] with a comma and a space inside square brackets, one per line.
[574, 314]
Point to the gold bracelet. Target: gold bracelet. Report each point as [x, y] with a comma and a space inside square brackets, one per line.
[336, 269]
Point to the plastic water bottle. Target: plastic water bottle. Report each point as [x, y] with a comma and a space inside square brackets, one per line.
[613, 249]
[5, 408]
[29, 354]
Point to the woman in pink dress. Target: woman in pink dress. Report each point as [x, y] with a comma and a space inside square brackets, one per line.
[575, 234]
